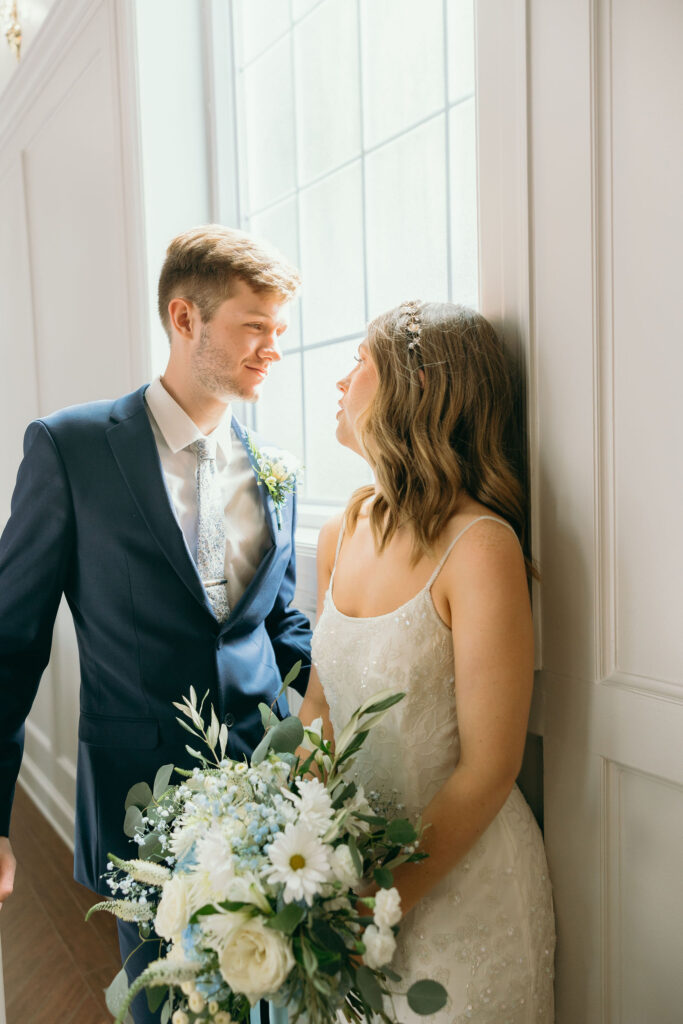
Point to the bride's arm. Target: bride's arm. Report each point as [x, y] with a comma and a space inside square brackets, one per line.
[484, 583]
[314, 704]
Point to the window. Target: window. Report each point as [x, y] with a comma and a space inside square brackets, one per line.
[355, 145]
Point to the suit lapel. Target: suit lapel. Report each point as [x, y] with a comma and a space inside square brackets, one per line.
[266, 500]
[134, 448]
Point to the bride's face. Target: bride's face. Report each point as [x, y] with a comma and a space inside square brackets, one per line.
[357, 392]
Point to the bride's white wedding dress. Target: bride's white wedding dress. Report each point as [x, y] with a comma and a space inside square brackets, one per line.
[487, 930]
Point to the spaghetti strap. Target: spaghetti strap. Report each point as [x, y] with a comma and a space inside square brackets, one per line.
[339, 544]
[452, 544]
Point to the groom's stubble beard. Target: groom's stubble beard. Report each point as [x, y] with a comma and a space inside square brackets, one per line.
[209, 370]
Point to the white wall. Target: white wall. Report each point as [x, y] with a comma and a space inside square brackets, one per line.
[88, 214]
[606, 91]
[32, 14]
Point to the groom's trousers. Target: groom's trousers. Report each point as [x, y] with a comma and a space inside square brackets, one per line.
[129, 940]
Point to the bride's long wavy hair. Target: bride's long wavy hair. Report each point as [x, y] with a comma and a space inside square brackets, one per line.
[443, 424]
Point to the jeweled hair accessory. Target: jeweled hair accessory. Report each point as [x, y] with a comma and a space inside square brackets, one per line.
[414, 326]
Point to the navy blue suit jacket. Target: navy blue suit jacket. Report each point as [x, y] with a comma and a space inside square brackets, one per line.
[91, 518]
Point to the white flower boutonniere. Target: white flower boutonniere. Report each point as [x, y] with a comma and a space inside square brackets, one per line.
[278, 471]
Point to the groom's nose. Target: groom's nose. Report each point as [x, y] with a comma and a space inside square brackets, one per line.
[271, 347]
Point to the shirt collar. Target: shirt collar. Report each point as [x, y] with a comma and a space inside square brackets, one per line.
[177, 428]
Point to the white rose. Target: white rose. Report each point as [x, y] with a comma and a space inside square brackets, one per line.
[173, 912]
[379, 946]
[256, 960]
[343, 867]
[387, 908]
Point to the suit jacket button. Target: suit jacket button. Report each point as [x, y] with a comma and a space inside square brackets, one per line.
[229, 720]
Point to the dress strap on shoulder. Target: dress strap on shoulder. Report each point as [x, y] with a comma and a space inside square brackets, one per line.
[455, 540]
[342, 528]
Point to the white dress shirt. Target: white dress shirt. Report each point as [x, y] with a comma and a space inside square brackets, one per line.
[246, 530]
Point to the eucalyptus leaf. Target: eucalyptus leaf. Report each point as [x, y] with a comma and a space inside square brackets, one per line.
[287, 735]
[369, 988]
[287, 919]
[115, 994]
[132, 820]
[262, 749]
[162, 780]
[150, 847]
[401, 831]
[165, 1012]
[139, 795]
[384, 878]
[426, 997]
[268, 717]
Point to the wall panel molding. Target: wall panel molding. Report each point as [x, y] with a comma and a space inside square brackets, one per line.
[63, 24]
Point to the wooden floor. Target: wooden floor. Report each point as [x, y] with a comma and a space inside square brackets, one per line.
[55, 965]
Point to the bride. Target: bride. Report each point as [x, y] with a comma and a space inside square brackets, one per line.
[423, 588]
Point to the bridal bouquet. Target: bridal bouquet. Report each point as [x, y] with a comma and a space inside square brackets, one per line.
[248, 879]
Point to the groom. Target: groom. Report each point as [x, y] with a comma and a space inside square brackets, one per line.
[145, 512]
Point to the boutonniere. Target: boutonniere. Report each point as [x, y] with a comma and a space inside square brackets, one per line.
[278, 471]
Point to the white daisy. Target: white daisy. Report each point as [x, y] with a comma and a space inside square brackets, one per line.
[300, 861]
[314, 805]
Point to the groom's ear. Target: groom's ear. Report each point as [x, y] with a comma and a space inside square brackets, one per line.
[184, 316]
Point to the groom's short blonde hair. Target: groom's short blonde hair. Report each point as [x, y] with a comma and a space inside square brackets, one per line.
[203, 264]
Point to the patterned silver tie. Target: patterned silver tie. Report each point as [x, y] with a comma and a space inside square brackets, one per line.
[210, 528]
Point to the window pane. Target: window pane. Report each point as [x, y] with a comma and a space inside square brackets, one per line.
[331, 256]
[258, 23]
[328, 106]
[406, 207]
[279, 226]
[464, 204]
[460, 49]
[403, 76]
[332, 471]
[269, 126]
[279, 410]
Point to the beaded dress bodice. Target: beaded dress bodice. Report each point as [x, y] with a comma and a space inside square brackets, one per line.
[486, 931]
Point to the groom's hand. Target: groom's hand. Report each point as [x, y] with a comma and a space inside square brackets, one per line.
[8, 866]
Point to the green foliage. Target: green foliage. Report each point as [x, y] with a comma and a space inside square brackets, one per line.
[384, 878]
[132, 820]
[369, 988]
[287, 919]
[426, 997]
[139, 795]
